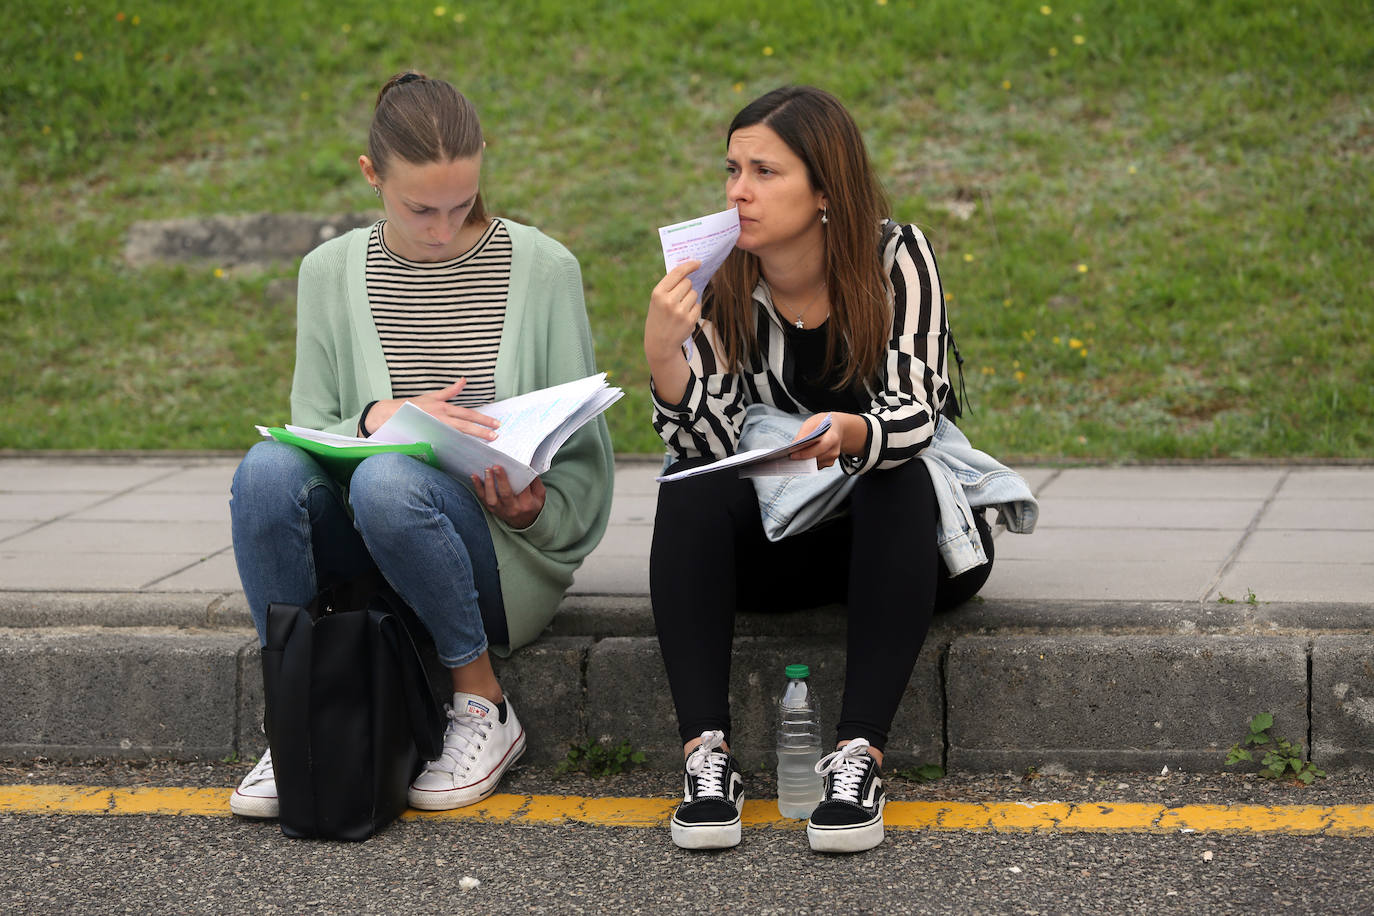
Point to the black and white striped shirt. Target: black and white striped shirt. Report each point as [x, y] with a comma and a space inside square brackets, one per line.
[900, 414]
[441, 321]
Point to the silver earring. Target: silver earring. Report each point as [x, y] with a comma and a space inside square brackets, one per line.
[377, 189]
[824, 219]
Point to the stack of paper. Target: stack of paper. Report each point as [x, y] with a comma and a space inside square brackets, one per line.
[533, 427]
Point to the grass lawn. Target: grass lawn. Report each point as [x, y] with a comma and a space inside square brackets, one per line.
[1153, 217]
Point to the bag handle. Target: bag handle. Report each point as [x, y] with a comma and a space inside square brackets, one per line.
[426, 718]
[361, 592]
[352, 595]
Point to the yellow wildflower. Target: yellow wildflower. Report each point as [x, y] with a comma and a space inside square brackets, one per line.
[1083, 352]
[305, 96]
[767, 50]
[78, 56]
[1054, 339]
[1006, 84]
[46, 130]
[1082, 268]
[219, 272]
[949, 297]
[460, 17]
[439, 11]
[1020, 376]
[968, 258]
[1045, 11]
[1006, 303]
[1016, 364]
[738, 87]
[1079, 39]
[135, 20]
[345, 28]
[1054, 52]
[881, 2]
[1130, 169]
[1075, 343]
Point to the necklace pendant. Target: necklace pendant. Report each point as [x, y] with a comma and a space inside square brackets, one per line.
[799, 325]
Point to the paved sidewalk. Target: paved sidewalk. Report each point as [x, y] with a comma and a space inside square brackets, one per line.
[1151, 613]
[1200, 533]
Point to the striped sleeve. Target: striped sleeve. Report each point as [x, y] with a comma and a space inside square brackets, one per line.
[707, 421]
[901, 416]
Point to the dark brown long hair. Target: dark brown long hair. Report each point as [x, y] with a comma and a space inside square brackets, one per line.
[816, 126]
[420, 120]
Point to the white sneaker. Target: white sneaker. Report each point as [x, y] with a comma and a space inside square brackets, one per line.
[478, 749]
[256, 796]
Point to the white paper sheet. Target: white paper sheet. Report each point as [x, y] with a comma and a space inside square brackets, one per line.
[708, 239]
[533, 426]
[760, 462]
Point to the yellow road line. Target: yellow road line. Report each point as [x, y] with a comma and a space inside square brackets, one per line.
[998, 817]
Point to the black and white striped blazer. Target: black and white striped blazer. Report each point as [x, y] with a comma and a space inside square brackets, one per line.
[901, 414]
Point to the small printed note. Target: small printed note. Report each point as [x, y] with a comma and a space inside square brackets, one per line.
[708, 239]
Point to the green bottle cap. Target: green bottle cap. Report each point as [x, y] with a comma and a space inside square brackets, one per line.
[797, 671]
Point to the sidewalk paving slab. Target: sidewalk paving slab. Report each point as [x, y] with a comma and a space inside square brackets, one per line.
[1205, 591]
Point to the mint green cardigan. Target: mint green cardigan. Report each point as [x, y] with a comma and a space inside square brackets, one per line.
[546, 340]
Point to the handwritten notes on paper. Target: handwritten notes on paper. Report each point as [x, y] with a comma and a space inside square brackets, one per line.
[707, 239]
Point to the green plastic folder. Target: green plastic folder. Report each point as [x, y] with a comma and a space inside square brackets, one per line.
[342, 460]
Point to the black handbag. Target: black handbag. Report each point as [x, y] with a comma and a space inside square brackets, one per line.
[350, 713]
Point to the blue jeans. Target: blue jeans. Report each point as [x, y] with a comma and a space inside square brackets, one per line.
[426, 533]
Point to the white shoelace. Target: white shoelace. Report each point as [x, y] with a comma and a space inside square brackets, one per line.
[462, 741]
[261, 772]
[848, 768]
[709, 768]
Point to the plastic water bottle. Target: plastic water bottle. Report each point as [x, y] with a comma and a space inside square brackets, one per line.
[799, 746]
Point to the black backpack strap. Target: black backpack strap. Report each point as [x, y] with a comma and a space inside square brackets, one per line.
[953, 408]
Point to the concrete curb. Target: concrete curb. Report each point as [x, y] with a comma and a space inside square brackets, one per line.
[999, 686]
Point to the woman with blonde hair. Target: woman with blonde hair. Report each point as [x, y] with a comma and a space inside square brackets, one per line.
[447, 307]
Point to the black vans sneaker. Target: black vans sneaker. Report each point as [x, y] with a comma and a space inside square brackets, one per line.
[712, 796]
[850, 815]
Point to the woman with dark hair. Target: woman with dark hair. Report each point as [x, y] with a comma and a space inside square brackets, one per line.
[444, 306]
[817, 312]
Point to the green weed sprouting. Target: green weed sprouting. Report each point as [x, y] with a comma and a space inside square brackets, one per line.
[926, 772]
[1280, 755]
[596, 758]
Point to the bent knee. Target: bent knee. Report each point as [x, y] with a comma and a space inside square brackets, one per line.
[387, 480]
[274, 466]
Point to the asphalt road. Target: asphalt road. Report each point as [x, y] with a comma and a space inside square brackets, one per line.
[77, 864]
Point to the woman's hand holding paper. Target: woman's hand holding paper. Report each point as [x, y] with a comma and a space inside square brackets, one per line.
[674, 308]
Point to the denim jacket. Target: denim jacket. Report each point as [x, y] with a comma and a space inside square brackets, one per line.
[964, 479]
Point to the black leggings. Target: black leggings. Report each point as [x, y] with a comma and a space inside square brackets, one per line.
[710, 555]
